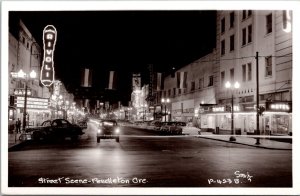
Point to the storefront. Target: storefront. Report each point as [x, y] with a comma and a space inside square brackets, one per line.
[37, 110]
[274, 121]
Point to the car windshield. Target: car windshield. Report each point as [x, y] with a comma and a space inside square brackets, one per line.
[46, 123]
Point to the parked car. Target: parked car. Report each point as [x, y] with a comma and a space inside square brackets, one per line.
[172, 128]
[155, 125]
[55, 129]
[108, 129]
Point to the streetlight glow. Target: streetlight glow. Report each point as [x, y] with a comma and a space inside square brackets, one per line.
[21, 74]
[227, 85]
[163, 100]
[236, 85]
[32, 74]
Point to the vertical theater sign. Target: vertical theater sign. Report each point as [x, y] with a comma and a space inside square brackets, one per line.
[47, 70]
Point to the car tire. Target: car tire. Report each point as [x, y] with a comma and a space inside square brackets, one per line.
[98, 139]
[117, 139]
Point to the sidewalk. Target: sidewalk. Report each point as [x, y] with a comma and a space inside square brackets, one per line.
[250, 140]
[14, 140]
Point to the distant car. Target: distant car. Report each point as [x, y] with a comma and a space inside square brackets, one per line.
[108, 129]
[171, 128]
[155, 125]
[55, 129]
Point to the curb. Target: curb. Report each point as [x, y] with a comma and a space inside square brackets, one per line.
[257, 146]
[18, 145]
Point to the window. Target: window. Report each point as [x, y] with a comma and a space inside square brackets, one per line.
[223, 25]
[193, 86]
[174, 91]
[244, 14]
[211, 81]
[232, 74]
[244, 36]
[201, 83]
[268, 63]
[249, 13]
[231, 19]
[222, 78]
[244, 72]
[269, 23]
[249, 71]
[223, 47]
[179, 91]
[231, 42]
[169, 92]
[249, 33]
[165, 93]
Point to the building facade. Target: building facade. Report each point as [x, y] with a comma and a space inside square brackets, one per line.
[245, 39]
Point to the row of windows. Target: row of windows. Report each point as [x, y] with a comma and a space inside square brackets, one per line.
[246, 14]
[246, 38]
[193, 87]
[246, 73]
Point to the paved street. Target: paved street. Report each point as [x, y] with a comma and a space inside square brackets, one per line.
[143, 159]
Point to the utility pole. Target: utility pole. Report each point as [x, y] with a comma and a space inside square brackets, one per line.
[257, 100]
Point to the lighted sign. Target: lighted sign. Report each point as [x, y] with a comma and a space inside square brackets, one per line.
[47, 71]
[37, 103]
[279, 106]
[22, 92]
[218, 109]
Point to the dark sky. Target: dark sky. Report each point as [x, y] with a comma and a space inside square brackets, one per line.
[125, 41]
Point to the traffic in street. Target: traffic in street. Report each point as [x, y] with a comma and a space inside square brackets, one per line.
[144, 158]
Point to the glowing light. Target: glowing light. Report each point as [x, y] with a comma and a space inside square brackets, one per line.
[21, 74]
[47, 70]
[227, 85]
[32, 74]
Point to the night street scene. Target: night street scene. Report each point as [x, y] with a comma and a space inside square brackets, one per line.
[150, 99]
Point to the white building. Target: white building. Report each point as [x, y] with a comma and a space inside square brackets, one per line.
[240, 35]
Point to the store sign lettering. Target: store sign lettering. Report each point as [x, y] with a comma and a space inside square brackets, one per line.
[218, 109]
[279, 106]
[47, 70]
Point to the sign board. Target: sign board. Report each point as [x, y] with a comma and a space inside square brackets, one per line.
[22, 92]
[33, 103]
[282, 106]
[47, 70]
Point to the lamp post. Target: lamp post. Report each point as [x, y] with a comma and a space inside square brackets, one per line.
[129, 112]
[144, 110]
[165, 101]
[232, 87]
[24, 76]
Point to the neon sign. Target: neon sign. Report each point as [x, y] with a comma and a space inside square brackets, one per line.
[47, 71]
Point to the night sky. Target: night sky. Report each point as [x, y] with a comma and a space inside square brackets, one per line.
[124, 41]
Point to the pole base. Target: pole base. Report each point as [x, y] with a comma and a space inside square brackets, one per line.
[257, 141]
[232, 139]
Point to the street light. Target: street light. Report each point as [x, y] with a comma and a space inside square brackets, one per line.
[144, 110]
[232, 87]
[23, 75]
[165, 101]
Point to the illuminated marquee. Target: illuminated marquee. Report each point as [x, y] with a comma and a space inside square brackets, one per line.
[33, 103]
[47, 71]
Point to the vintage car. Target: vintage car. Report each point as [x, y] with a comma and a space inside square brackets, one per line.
[108, 129]
[171, 128]
[56, 129]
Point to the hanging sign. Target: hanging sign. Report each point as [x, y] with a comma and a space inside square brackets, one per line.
[47, 71]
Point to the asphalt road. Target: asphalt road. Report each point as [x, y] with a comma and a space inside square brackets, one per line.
[143, 159]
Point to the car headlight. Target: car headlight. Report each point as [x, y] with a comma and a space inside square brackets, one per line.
[99, 130]
[117, 130]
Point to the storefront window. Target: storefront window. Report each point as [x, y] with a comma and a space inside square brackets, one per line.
[280, 124]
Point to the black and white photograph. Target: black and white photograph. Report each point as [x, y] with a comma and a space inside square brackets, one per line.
[148, 97]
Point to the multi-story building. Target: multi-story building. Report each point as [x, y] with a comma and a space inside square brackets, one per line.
[191, 86]
[241, 35]
[25, 55]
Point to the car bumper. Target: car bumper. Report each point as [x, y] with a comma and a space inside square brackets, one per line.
[107, 136]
